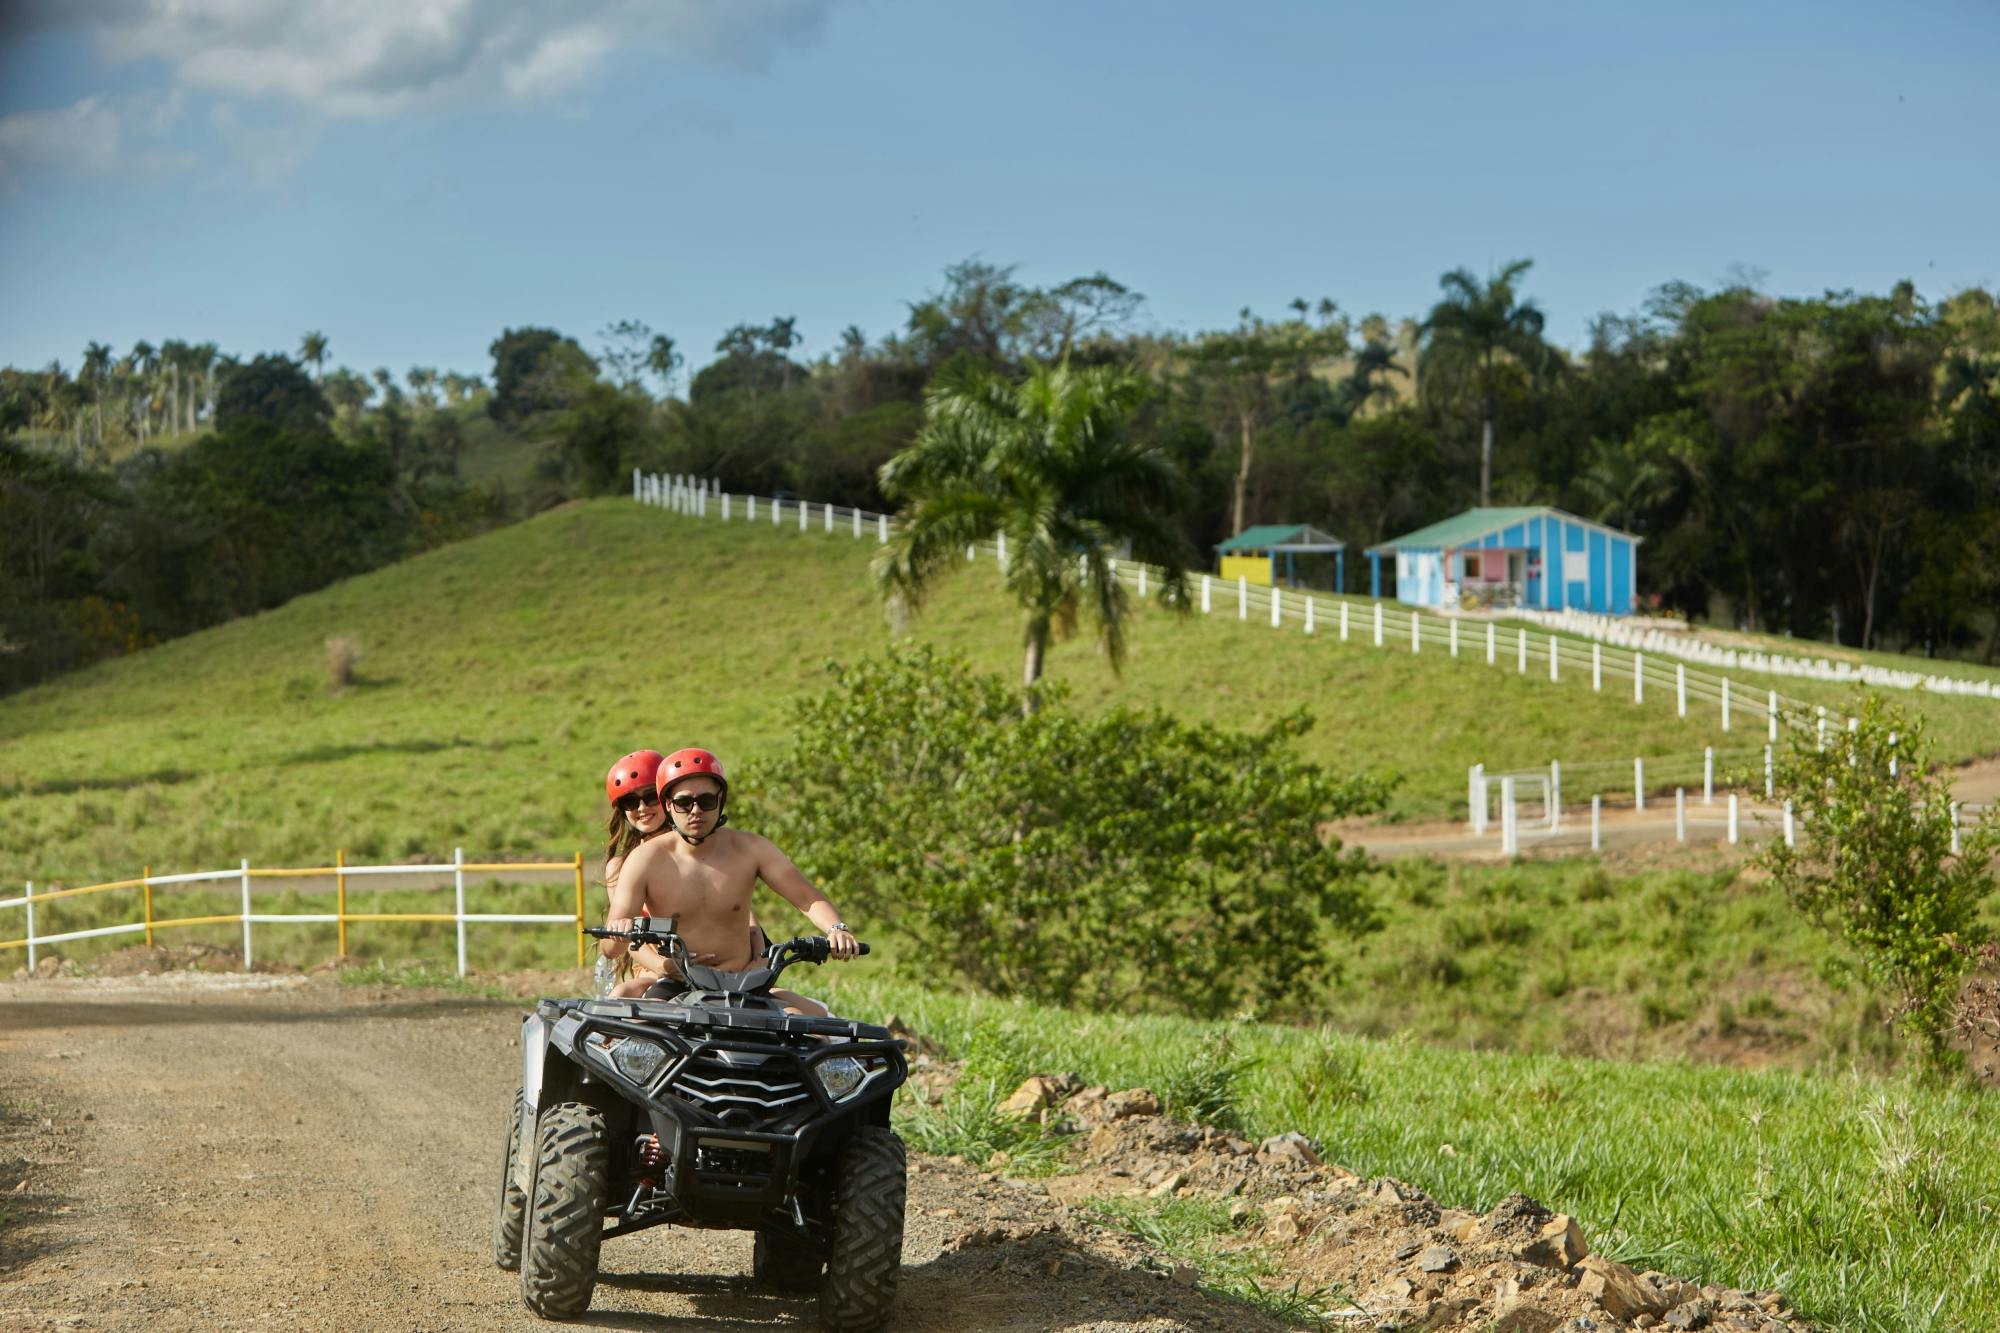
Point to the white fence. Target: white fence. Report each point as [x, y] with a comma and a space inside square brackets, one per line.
[244, 874]
[1609, 629]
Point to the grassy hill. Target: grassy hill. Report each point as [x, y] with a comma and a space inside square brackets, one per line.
[501, 675]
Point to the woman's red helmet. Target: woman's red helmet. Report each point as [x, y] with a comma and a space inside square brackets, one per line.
[687, 764]
[635, 772]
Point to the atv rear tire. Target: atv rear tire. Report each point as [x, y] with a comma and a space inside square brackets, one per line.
[858, 1293]
[513, 1201]
[568, 1191]
[785, 1263]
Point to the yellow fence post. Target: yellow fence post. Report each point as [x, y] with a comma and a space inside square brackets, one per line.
[340, 897]
[146, 882]
[579, 909]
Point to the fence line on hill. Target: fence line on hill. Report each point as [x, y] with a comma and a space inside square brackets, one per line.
[1373, 622]
[340, 917]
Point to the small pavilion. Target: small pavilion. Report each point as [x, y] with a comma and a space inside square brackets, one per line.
[1252, 554]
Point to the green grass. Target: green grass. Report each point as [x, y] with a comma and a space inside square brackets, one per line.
[500, 675]
[1199, 1232]
[1871, 1203]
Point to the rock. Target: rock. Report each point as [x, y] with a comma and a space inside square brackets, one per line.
[1034, 1096]
[1238, 1212]
[1437, 1259]
[1282, 1229]
[1689, 1315]
[1166, 1188]
[1525, 1317]
[1131, 1102]
[1088, 1104]
[918, 1045]
[1292, 1147]
[1622, 1292]
[1236, 1147]
[1458, 1224]
[1559, 1244]
[1408, 1249]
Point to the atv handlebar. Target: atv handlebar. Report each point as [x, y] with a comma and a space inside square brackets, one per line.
[659, 932]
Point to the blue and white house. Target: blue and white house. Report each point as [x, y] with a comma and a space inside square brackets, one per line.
[1536, 556]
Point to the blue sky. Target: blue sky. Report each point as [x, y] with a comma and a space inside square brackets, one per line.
[411, 176]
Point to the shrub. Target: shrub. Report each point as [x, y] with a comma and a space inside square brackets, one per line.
[343, 655]
[1875, 867]
[1123, 859]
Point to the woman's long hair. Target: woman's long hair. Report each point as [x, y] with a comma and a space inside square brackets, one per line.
[619, 840]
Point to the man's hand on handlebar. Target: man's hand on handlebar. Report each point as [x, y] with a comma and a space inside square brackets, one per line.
[842, 944]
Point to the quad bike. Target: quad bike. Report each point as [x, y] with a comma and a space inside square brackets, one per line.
[708, 1106]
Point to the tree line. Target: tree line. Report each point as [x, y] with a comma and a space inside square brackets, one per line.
[1827, 466]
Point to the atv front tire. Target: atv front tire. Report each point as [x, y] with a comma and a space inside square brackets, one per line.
[568, 1191]
[785, 1263]
[858, 1293]
[513, 1202]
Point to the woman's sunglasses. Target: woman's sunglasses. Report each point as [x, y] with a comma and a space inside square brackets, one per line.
[632, 800]
[692, 801]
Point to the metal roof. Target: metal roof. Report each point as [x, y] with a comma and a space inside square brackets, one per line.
[1474, 524]
[1282, 537]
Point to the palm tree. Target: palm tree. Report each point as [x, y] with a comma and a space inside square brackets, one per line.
[1623, 484]
[204, 360]
[422, 379]
[97, 370]
[146, 363]
[1467, 334]
[312, 351]
[1047, 464]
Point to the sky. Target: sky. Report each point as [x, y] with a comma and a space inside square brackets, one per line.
[410, 177]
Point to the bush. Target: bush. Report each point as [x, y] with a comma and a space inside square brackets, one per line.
[1127, 859]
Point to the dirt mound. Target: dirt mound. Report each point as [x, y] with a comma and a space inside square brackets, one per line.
[1401, 1258]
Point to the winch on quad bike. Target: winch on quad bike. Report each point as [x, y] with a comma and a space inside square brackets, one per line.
[708, 1106]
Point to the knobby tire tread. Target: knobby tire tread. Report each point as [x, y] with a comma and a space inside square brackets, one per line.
[858, 1293]
[512, 1207]
[567, 1197]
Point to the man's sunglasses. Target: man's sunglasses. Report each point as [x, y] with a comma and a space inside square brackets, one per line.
[692, 801]
[632, 800]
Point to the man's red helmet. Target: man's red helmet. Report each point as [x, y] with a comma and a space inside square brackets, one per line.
[687, 764]
[635, 772]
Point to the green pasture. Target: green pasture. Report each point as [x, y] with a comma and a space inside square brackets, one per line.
[500, 676]
[1870, 1203]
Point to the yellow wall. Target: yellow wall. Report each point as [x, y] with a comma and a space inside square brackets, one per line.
[1254, 568]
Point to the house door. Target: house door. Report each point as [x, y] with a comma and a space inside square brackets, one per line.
[1517, 567]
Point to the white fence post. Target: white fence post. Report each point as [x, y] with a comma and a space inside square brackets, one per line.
[1555, 650]
[1732, 819]
[1416, 631]
[1555, 794]
[881, 528]
[1242, 598]
[1378, 624]
[1309, 601]
[1681, 687]
[635, 483]
[1597, 667]
[1206, 605]
[246, 913]
[1277, 605]
[1680, 814]
[1343, 622]
[1142, 593]
[1475, 798]
[1521, 651]
[805, 515]
[1954, 852]
[1767, 773]
[1454, 636]
[1725, 703]
[31, 924]
[1771, 718]
[1638, 678]
[725, 506]
[458, 890]
[1000, 549]
[1638, 784]
[857, 523]
[1596, 818]
[1490, 636]
[1708, 775]
[749, 509]
[828, 507]
[777, 511]
[1510, 829]
[1788, 825]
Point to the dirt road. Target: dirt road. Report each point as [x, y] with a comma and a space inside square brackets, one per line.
[194, 1151]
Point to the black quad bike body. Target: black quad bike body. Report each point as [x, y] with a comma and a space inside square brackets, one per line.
[710, 1107]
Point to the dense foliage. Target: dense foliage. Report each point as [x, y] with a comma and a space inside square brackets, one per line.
[1126, 858]
[1876, 865]
[1827, 467]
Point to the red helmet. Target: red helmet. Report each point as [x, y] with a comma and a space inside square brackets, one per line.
[635, 772]
[687, 764]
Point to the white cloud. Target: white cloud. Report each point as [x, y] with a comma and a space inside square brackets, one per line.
[86, 138]
[372, 58]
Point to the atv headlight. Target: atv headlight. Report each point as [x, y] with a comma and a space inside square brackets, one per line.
[840, 1076]
[634, 1057]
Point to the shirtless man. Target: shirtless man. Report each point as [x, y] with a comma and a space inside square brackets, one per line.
[701, 874]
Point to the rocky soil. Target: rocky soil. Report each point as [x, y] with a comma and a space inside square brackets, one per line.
[216, 1151]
